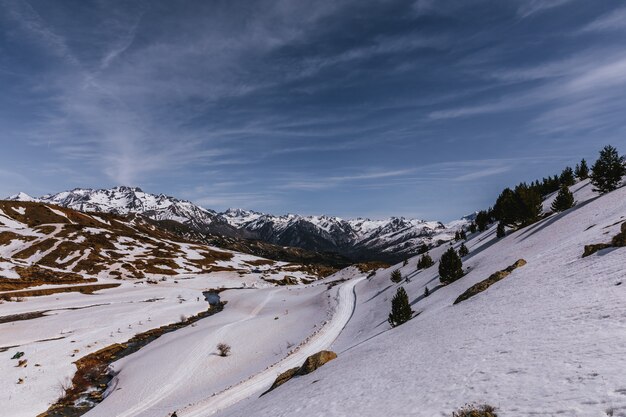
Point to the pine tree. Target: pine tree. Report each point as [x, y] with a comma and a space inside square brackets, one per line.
[531, 204]
[582, 170]
[450, 267]
[400, 308]
[564, 200]
[463, 251]
[472, 227]
[426, 292]
[500, 231]
[425, 262]
[457, 236]
[567, 177]
[482, 220]
[405, 263]
[463, 234]
[396, 276]
[608, 170]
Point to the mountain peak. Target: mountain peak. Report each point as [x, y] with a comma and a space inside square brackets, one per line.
[21, 196]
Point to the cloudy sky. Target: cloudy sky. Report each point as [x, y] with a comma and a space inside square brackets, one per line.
[352, 108]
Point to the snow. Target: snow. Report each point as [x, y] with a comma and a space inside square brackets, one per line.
[547, 340]
[7, 270]
[10, 223]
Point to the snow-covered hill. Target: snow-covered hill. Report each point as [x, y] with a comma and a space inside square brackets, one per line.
[546, 340]
[61, 240]
[360, 239]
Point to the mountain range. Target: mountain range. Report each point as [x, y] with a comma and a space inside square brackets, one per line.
[360, 239]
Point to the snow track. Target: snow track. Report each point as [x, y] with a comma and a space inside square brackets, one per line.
[346, 300]
[194, 356]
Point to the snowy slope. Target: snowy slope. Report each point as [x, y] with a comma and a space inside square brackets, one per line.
[550, 339]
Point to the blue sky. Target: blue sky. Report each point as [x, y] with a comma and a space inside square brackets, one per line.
[351, 108]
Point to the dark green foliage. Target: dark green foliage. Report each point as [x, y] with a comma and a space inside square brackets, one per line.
[482, 220]
[472, 227]
[405, 263]
[450, 267]
[582, 170]
[500, 231]
[463, 234]
[471, 410]
[567, 177]
[608, 170]
[426, 292]
[463, 251]
[400, 308]
[519, 207]
[457, 236]
[564, 199]
[425, 262]
[422, 249]
[396, 276]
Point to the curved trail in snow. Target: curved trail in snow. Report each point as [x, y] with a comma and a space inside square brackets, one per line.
[195, 355]
[346, 301]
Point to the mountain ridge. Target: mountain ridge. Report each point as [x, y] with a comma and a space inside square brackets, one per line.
[359, 239]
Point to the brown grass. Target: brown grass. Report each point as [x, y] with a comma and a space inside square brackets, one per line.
[83, 289]
[35, 275]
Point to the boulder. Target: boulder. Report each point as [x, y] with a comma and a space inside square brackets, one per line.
[310, 364]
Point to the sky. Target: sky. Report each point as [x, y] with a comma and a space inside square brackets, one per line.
[361, 108]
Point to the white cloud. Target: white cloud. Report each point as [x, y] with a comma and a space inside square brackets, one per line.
[613, 20]
[530, 7]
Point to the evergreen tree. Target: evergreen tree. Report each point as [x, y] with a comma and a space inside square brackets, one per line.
[405, 263]
[472, 227]
[450, 267]
[608, 170]
[396, 276]
[564, 200]
[422, 249]
[457, 236]
[400, 308]
[425, 262]
[463, 251]
[518, 208]
[482, 220]
[463, 234]
[582, 170]
[500, 231]
[567, 177]
[531, 204]
[426, 292]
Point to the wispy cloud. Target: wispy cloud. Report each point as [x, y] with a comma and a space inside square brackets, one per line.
[613, 20]
[530, 7]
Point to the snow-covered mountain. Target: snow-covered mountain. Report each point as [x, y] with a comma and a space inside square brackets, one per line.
[360, 239]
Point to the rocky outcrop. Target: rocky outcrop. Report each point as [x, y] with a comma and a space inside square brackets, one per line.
[310, 364]
[618, 241]
[493, 278]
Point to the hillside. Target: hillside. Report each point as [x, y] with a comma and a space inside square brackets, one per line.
[388, 240]
[546, 340]
[36, 237]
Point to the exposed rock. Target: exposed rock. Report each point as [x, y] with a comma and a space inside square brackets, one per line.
[618, 241]
[310, 364]
[493, 278]
[315, 361]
